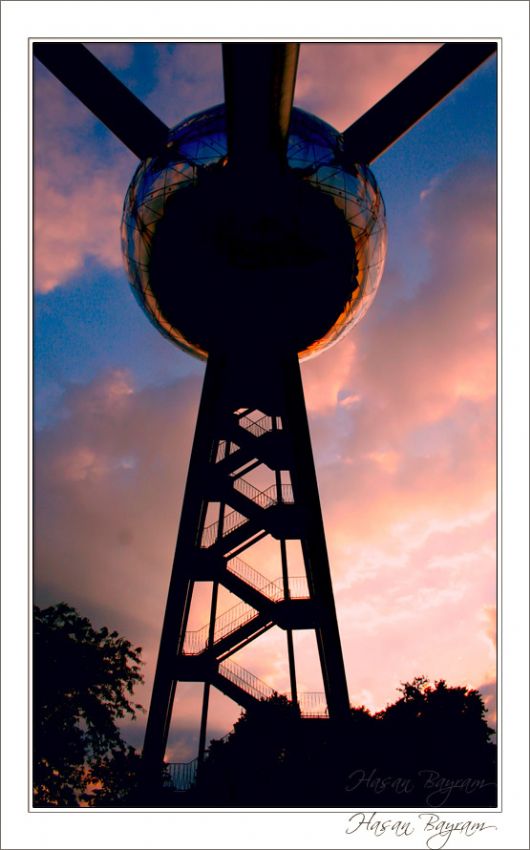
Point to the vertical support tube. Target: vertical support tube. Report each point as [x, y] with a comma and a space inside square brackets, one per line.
[181, 585]
[286, 589]
[204, 722]
[292, 668]
[206, 693]
[305, 489]
[290, 643]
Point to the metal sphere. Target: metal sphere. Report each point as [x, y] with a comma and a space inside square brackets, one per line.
[221, 260]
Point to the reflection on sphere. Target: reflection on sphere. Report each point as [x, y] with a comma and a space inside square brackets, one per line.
[220, 261]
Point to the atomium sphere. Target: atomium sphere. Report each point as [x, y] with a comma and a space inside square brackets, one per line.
[222, 258]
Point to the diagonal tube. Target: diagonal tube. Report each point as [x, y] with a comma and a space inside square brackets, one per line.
[113, 103]
[412, 99]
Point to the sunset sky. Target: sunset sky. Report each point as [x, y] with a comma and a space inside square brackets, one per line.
[402, 411]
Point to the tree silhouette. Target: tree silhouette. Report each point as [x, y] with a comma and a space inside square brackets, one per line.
[429, 748]
[118, 776]
[82, 683]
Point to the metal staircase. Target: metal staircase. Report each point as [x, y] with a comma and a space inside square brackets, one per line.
[234, 445]
[245, 515]
[243, 622]
[231, 678]
[249, 501]
[272, 590]
[244, 688]
[245, 433]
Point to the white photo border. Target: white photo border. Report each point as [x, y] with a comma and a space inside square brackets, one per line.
[311, 20]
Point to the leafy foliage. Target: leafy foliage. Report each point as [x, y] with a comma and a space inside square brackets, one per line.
[431, 734]
[82, 683]
[119, 778]
[452, 713]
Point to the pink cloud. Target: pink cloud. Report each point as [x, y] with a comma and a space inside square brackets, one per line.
[406, 472]
[434, 354]
[108, 484]
[75, 225]
[78, 196]
[340, 84]
[189, 77]
[116, 55]
[403, 422]
[80, 183]
[326, 378]
[78, 193]
[489, 619]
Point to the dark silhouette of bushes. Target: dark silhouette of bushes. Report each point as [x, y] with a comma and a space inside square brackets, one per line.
[82, 683]
[430, 748]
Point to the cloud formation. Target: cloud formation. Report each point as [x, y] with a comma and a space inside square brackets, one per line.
[79, 184]
[403, 420]
[340, 84]
[108, 487]
[81, 174]
[407, 467]
[402, 414]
